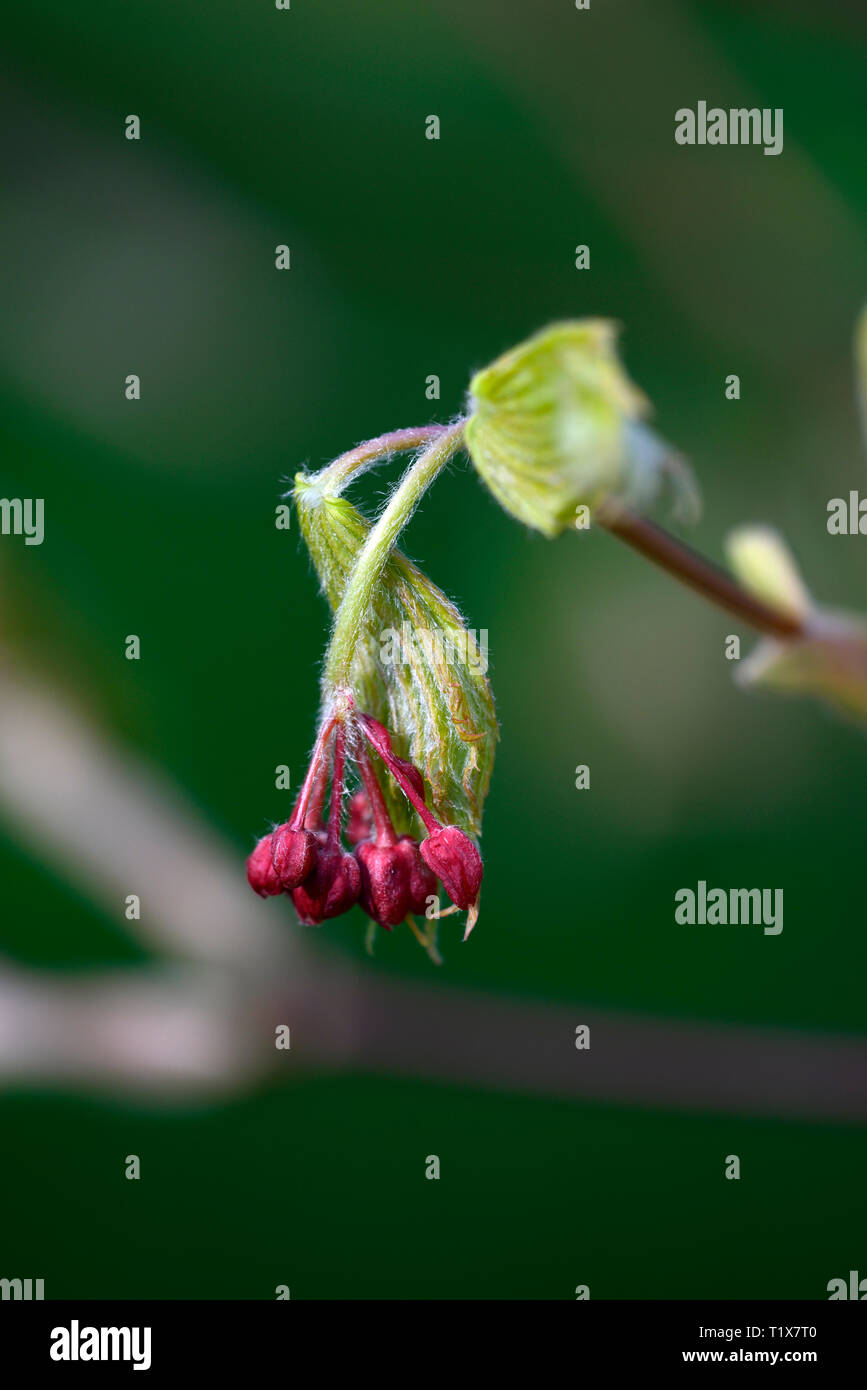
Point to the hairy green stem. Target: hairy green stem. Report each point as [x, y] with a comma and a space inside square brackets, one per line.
[334, 478]
[377, 548]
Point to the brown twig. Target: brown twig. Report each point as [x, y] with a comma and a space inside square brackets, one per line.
[697, 573]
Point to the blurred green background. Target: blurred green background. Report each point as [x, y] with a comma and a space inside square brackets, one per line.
[412, 257]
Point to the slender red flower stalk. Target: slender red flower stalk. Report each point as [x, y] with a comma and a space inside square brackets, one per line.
[385, 834]
[394, 880]
[333, 885]
[299, 813]
[359, 822]
[295, 845]
[448, 851]
[405, 773]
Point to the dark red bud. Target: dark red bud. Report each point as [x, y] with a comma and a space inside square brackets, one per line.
[456, 861]
[359, 825]
[260, 870]
[422, 882]
[385, 883]
[293, 855]
[332, 888]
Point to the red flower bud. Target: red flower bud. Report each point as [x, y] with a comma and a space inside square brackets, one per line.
[456, 861]
[422, 882]
[393, 876]
[260, 870]
[360, 822]
[293, 855]
[332, 887]
[385, 883]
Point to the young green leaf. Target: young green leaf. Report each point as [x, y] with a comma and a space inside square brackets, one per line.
[415, 667]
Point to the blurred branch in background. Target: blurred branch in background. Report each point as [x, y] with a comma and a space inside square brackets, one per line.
[204, 1023]
[155, 1033]
[114, 827]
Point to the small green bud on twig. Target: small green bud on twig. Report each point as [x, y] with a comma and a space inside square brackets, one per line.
[827, 658]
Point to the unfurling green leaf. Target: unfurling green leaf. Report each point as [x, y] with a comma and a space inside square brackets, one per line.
[829, 663]
[556, 424]
[415, 667]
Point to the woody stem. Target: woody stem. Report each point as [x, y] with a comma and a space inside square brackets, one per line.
[697, 573]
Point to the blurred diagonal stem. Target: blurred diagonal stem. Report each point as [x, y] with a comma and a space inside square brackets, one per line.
[696, 572]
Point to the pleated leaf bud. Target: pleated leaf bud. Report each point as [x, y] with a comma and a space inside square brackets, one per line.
[556, 424]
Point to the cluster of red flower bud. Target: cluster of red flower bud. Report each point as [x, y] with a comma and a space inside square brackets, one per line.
[392, 876]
